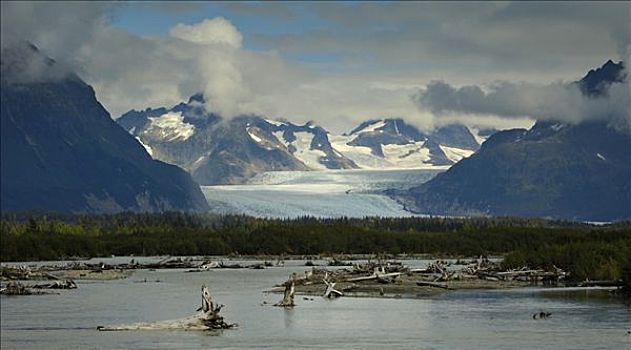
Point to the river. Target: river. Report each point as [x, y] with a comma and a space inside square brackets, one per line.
[474, 319]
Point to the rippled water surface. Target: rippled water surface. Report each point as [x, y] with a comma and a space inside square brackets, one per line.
[499, 319]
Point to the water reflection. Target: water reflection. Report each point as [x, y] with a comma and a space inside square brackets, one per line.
[288, 317]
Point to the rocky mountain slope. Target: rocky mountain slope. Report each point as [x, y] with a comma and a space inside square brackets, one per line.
[217, 151]
[570, 171]
[62, 152]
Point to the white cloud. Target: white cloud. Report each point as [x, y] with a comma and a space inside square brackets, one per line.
[213, 31]
[223, 87]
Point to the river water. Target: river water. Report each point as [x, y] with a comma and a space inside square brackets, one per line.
[497, 319]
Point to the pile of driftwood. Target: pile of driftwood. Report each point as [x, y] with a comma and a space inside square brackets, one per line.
[392, 279]
[484, 269]
[207, 318]
[195, 265]
[13, 273]
[324, 282]
[25, 273]
[310, 278]
[17, 288]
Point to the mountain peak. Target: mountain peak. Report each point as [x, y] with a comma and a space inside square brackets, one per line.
[596, 81]
[23, 62]
[61, 151]
[198, 97]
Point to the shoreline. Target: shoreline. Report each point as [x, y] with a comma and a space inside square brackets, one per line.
[357, 275]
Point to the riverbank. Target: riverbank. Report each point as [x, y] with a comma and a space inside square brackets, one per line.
[361, 275]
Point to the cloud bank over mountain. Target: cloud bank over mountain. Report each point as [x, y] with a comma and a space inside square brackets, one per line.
[336, 63]
[564, 102]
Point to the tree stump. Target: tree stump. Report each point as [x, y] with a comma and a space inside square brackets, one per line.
[288, 296]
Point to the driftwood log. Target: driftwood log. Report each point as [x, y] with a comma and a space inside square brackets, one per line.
[66, 284]
[330, 291]
[288, 295]
[208, 318]
[379, 274]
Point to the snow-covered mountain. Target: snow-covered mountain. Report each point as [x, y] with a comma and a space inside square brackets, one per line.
[394, 144]
[219, 151]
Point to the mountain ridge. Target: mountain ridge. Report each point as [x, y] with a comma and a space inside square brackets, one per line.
[231, 151]
[62, 152]
[570, 171]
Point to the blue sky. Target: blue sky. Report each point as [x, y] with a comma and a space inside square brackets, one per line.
[154, 19]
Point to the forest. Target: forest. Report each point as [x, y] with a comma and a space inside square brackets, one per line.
[587, 251]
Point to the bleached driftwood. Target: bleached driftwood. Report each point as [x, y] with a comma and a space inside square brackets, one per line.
[207, 318]
[288, 296]
[66, 284]
[378, 274]
[330, 291]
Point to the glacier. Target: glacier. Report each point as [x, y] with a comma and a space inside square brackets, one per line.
[326, 194]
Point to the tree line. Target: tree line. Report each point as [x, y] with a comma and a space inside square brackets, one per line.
[587, 251]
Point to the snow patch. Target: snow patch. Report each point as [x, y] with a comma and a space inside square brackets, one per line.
[281, 139]
[147, 148]
[456, 154]
[409, 156]
[253, 136]
[274, 122]
[304, 153]
[362, 156]
[396, 128]
[476, 135]
[372, 127]
[171, 126]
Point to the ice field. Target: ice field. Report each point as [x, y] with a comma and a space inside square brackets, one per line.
[331, 193]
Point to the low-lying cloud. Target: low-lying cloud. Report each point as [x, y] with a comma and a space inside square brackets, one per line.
[558, 101]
